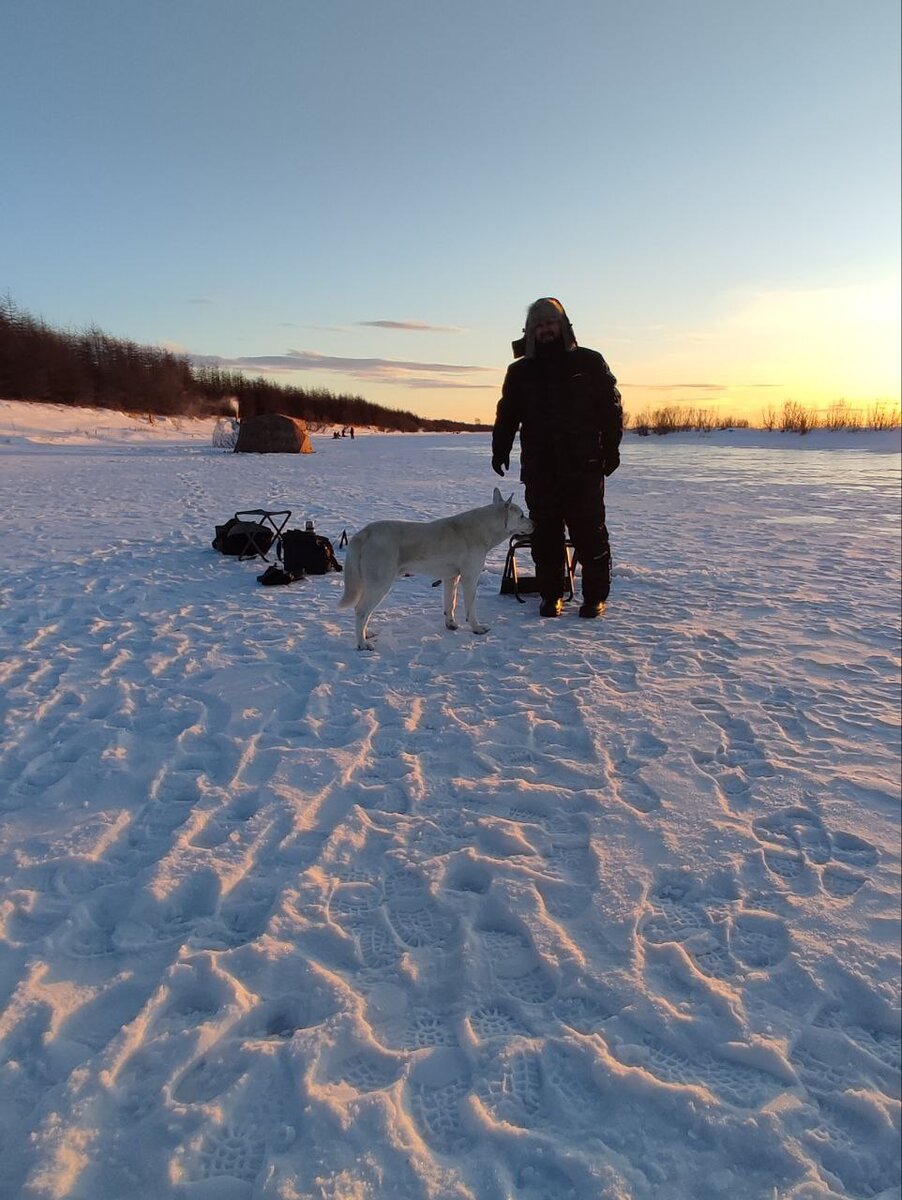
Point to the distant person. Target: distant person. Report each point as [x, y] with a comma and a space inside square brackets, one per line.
[351, 432]
[563, 400]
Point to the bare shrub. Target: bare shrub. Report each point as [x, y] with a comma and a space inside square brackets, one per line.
[882, 415]
[796, 418]
[841, 415]
[837, 417]
[642, 424]
[666, 420]
[673, 419]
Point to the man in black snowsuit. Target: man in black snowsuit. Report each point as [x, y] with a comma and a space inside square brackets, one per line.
[564, 401]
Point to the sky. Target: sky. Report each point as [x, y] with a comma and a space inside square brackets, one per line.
[366, 197]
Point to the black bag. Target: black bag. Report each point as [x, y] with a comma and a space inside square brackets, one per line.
[308, 553]
[246, 539]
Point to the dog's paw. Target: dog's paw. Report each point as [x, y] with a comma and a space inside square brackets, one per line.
[480, 628]
[449, 624]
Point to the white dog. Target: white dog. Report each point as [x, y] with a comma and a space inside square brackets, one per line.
[451, 549]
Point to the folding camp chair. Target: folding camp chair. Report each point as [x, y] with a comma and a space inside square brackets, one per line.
[275, 521]
[513, 583]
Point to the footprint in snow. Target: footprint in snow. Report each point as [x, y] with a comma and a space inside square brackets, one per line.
[364, 1070]
[436, 1089]
[232, 1150]
[496, 1020]
[211, 1075]
[510, 1086]
[733, 1082]
[585, 1014]
[796, 841]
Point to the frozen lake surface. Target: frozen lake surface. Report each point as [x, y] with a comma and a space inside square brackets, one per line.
[602, 910]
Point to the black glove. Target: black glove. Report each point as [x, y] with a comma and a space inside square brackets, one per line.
[611, 462]
[499, 464]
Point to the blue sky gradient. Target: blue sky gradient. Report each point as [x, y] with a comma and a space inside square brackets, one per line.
[366, 197]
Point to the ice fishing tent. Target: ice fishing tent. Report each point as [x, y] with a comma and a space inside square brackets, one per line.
[273, 433]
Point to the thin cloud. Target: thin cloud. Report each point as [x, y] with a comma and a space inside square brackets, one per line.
[411, 326]
[199, 300]
[374, 370]
[317, 328]
[699, 387]
[403, 326]
[447, 383]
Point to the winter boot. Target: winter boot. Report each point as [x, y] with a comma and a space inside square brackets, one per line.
[592, 608]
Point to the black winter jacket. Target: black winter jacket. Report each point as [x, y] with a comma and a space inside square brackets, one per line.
[569, 415]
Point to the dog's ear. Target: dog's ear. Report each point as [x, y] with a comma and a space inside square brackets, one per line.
[509, 499]
[496, 497]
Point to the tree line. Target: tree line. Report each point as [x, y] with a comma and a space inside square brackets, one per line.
[92, 369]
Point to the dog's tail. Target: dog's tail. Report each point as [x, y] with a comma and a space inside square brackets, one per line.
[352, 578]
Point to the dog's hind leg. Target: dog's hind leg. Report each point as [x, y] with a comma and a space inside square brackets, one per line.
[363, 610]
[362, 614]
[373, 595]
[468, 583]
[449, 596]
[353, 584]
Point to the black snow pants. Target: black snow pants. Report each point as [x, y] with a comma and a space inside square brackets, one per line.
[576, 504]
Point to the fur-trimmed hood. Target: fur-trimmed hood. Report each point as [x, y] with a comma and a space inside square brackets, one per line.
[546, 308]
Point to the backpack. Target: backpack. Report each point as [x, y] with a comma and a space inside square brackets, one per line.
[246, 539]
[304, 552]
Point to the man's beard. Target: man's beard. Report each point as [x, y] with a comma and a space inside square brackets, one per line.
[550, 350]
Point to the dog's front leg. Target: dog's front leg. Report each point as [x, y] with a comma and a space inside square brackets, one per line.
[449, 596]
[469, 590]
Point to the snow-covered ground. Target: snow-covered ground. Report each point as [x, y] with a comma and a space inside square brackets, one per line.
[577, 909]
